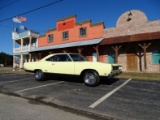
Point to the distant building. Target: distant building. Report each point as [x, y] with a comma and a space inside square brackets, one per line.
[134, 42]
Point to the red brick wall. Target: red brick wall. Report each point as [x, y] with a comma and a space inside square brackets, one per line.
[65, 25]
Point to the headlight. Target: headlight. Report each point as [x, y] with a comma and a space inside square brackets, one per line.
[120, 67]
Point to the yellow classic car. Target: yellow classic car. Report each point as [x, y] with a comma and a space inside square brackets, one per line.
[72, 64]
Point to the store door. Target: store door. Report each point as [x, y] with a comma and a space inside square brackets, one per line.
[132, 62]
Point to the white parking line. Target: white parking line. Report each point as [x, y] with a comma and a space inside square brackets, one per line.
[108, 94]
[39, 87]
[7, 75]
[12, 81]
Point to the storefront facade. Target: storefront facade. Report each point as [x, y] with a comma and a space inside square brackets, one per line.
[134, 42]
[70, 36]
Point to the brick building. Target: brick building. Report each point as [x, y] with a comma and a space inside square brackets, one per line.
[134, 42]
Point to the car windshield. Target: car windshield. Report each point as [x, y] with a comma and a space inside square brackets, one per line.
[77, 57]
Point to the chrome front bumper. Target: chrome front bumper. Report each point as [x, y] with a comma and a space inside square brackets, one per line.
[114, 73]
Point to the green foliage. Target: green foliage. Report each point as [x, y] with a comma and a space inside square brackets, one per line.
[140, 75]
[6, 59]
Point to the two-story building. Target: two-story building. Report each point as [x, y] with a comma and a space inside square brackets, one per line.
[70, 36]
[23, 43]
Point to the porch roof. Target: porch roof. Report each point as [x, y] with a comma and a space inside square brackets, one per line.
[71, 44]
[131, 38]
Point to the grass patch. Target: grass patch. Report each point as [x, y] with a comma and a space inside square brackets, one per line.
[9, 70]
[140, 75]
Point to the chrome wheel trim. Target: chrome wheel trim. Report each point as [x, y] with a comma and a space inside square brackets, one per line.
[90, 79]
[38, 75]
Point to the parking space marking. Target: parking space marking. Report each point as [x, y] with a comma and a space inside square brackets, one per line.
[108, 94]
[12, 81]
[39, 87]
[7, 75]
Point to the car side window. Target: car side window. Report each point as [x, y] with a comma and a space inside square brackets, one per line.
[63, 58]
[59, 58]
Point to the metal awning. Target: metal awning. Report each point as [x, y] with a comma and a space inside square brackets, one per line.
[71, 44]
[131, 38]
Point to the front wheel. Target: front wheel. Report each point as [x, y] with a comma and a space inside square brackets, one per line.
[39, 75]
[91, 78]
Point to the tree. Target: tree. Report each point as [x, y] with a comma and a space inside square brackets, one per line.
[6, 59]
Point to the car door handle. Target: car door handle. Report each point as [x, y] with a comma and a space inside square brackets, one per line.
[52, 63]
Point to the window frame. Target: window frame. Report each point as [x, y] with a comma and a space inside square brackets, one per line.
[81, 33]
[64, 35]
[50, 36]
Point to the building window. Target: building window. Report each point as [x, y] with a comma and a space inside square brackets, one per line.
[156, 57]
[65, 35]
[50, 38]
[82, 32]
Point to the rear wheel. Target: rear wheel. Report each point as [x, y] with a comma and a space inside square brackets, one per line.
[91, 78]
[39, 75]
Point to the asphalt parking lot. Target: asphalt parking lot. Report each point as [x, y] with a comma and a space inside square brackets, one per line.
[124, 99]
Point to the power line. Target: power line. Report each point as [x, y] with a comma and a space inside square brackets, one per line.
[32, 10]
[9, 4]
[5, 26]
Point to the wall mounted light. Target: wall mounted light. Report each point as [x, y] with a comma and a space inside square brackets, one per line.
[129, 16]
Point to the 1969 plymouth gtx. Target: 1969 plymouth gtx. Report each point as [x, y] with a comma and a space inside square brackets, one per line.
[72, 64]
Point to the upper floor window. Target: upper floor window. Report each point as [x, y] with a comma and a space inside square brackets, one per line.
[50, 38]
[65, 35]
[82, 32]
[156, 57]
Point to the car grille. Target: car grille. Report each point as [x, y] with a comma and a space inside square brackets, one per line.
[115, 67]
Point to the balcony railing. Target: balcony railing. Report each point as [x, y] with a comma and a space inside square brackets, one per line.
[23, 49]
[24, 34]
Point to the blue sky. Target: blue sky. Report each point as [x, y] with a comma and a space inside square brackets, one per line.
[41, 20]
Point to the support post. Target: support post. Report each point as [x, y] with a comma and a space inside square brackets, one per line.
[21, 61]
[30, 43]
[97, 52]
[14, 63]
[51, 52]
[80, 50]
[21, 44]
[116, 48]
[144, 47]
[65, 51]
[30, 57]
[39, 55]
